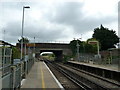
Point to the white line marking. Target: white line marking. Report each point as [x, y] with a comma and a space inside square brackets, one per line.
[62, 88]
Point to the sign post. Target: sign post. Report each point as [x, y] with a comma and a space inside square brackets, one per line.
[98, 48]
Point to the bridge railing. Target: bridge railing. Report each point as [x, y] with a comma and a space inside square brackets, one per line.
[49, 41]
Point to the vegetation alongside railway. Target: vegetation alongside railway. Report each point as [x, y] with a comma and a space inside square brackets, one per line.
[107, 42]
[15, 53]
[49, 56]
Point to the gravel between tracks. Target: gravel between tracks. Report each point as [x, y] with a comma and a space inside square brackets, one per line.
[93, 79]
[65, 82]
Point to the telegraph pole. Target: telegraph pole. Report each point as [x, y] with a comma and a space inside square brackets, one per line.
[78, 51]
[34, 44]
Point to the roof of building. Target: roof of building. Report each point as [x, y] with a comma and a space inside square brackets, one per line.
[5, 43]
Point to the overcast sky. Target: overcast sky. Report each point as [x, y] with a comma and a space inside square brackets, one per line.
[56, 20]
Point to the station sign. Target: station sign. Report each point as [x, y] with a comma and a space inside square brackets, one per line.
[30, 44]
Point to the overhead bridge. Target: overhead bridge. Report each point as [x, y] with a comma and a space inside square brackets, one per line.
[59, 49]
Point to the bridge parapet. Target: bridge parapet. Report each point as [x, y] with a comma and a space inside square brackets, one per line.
[51, 45]
[59, 49]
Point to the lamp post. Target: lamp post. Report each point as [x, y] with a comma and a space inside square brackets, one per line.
[22, 29]
[98, 48]
[78, 56]
[78, 50]
[34, 49]
[34, 44]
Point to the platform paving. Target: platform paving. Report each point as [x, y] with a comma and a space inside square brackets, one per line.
[112, 67]
[40, 77]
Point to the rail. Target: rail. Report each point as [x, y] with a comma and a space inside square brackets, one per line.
[83, 82]
[96, 76]
[81, 85]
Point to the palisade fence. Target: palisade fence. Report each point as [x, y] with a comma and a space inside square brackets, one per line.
[113, 58]
[11, 74]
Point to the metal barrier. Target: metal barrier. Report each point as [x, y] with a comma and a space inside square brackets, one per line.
[14, 77]
[6, 78]
[11, 74]
[16, 70]
[7, 81]
[29, 65]
[23, 69]
[6, 73]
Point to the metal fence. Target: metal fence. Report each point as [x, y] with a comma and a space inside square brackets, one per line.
[91, 58]
[6, 74]
[7, 81]
[12, 74]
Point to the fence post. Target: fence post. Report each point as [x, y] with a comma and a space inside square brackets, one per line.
[13, 72]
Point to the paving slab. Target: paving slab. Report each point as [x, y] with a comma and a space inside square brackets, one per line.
[40, 77]
[108, 67]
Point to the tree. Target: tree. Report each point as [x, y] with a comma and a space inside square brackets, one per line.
[83, 48]
[25, 40]
[73, 46]
[15, 53]
[106, 37]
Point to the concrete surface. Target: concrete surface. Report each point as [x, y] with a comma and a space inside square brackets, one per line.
[40, 77]
[106, 66]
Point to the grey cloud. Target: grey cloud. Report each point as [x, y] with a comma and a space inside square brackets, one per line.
[71, 14]
[68, 14]
[43, 33]
[13, 5]
[91, 23]
[13, 29]
[13, 32]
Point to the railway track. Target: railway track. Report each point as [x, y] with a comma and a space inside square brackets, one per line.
[65, 81]
[95, 76]
[84, 80]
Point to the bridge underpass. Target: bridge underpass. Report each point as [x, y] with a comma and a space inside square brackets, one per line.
[59, 49]
[58, 54]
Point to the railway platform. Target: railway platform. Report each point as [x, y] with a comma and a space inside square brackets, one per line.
[102, 66]
[41, 77]
[106, 71]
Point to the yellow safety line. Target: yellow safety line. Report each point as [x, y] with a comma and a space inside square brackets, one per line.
[42, 76]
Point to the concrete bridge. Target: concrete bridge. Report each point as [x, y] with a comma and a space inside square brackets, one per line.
[59, 49]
